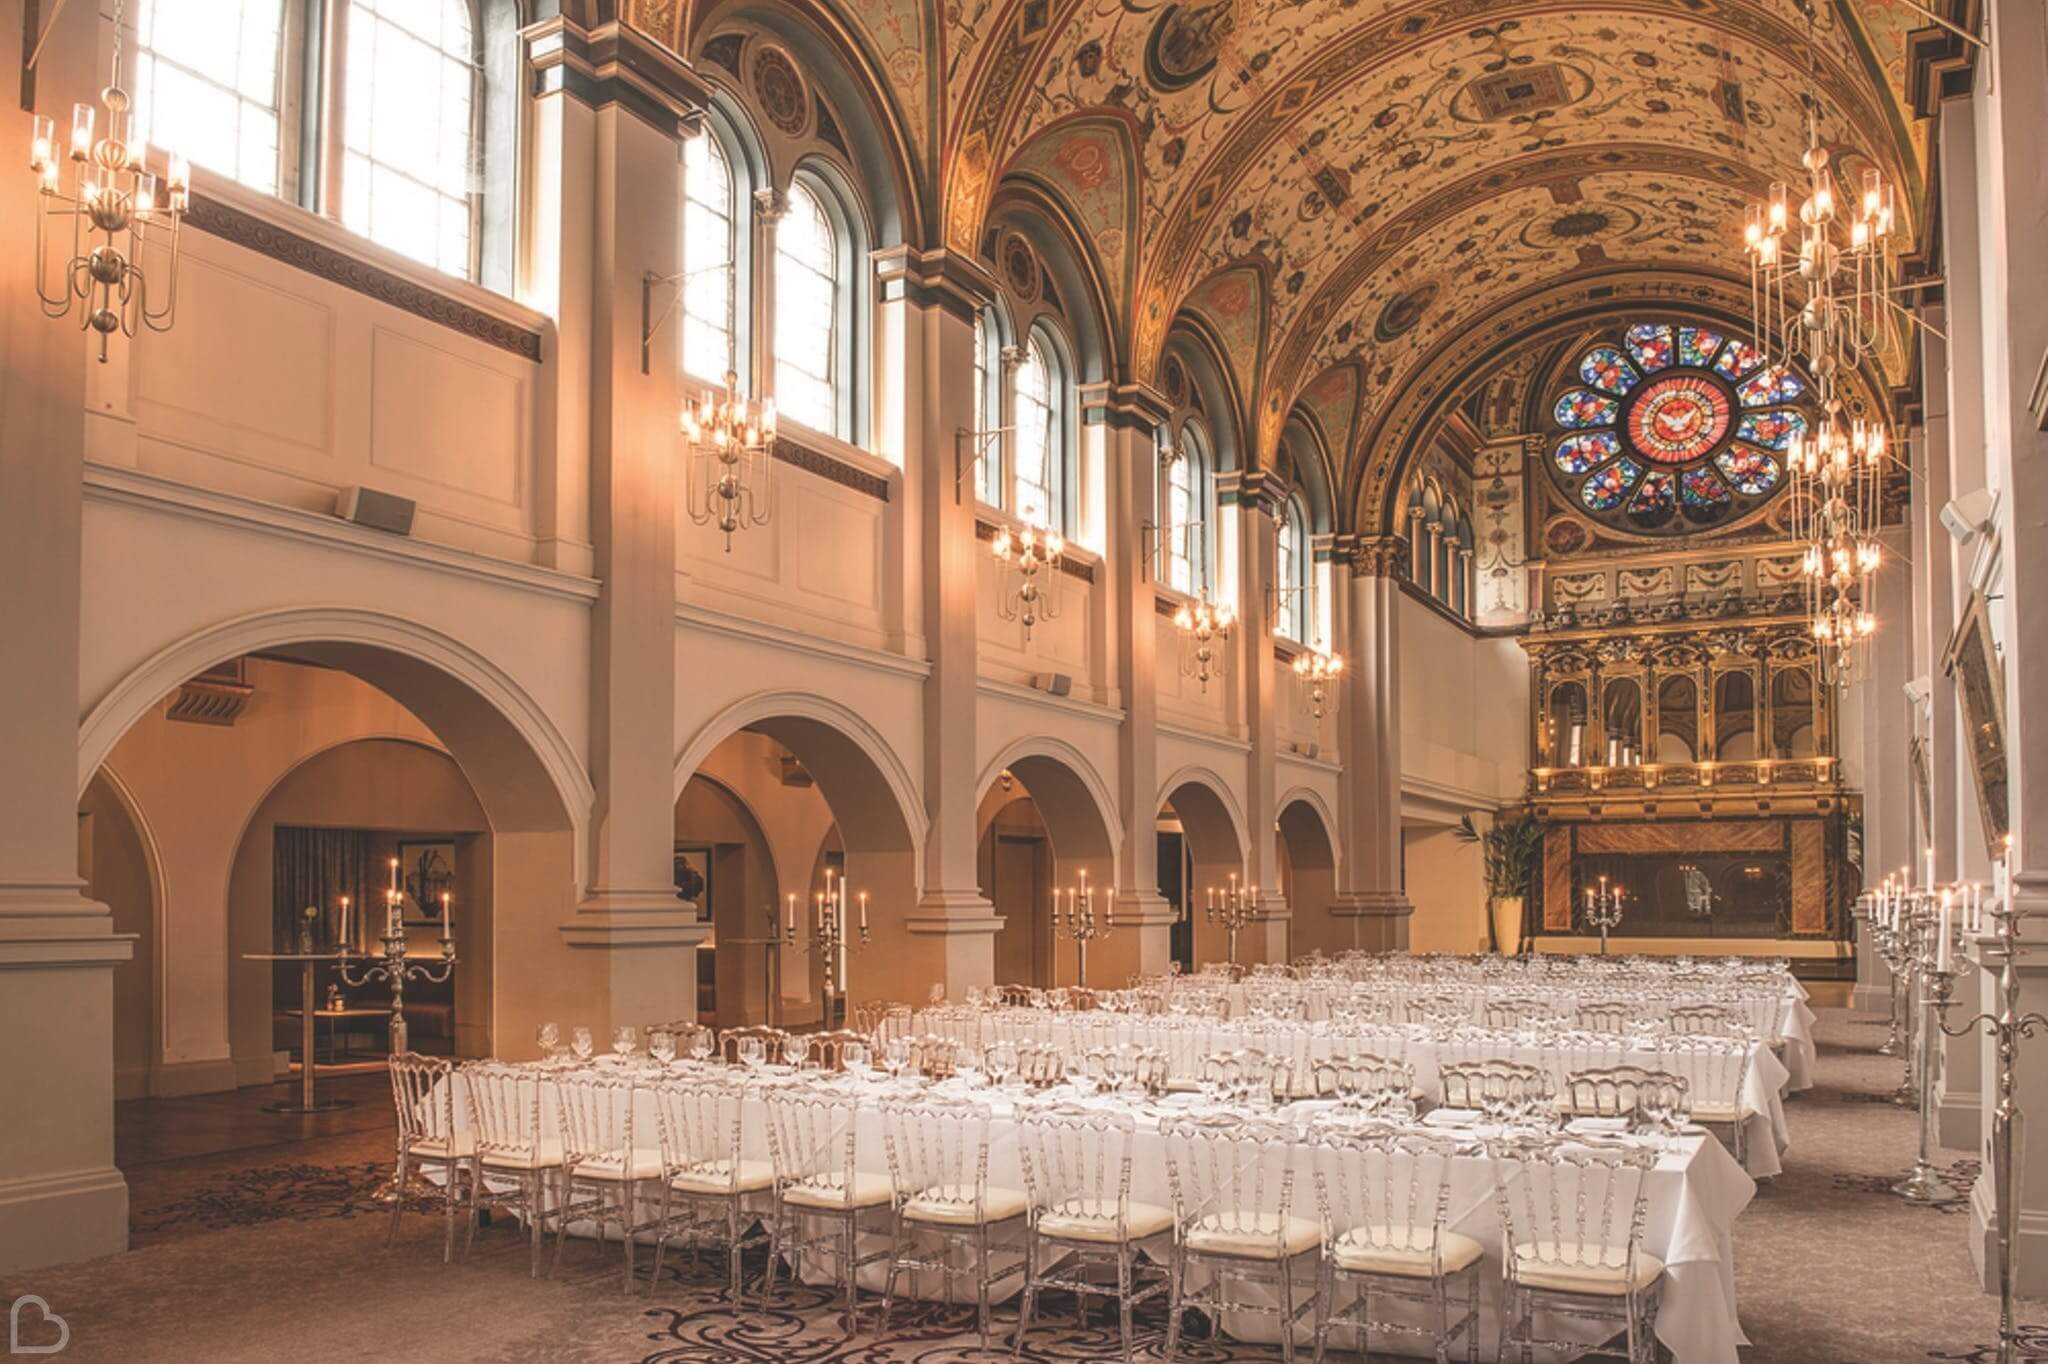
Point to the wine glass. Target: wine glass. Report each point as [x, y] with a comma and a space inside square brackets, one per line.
[753, 1052]
[701, 1045]
[793, 1050]
[999, 1060]
[550, 1038]
[580, 1043]
[625, 1040]
[896, 1056]
[975, 997]
[661, 1044]
[855, 1058]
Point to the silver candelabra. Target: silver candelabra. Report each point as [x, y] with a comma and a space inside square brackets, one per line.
[394, 966]
[1899, 907]
[1873, 923]
[832, 937]
[1603, 909]
[1080, 926]
[2006, 1027]
[1929, 942]
[1234, 908]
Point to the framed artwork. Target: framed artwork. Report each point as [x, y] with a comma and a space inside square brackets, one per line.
[426, 868]
[1972, 660]
[693, 875]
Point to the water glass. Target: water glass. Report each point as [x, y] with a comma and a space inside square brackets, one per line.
[855, 1058]
[793, 1051]
[896, 1056]
[752, 1052]
[625, 1039]
[661, 1044]
[580, 1043]
[701, 1045]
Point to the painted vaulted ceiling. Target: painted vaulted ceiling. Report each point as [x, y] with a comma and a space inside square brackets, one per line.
[1341, 190]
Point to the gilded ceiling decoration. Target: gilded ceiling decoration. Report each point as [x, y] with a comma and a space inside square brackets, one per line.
[1393, 175]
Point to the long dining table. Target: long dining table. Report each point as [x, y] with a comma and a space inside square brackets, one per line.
[1693, 1195]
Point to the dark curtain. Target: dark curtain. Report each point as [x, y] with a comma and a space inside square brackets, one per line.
[317, 867]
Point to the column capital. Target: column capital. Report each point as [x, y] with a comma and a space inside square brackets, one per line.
[1254, 490]
[934, 279]
[615, 63]
[1374, 556]
[1124, 407]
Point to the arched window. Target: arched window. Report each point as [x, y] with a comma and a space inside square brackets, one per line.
[710, 257]
[409, 134]
[206, 84]
[808, 301]
[1038, 440]
[1188, 479]
[988, 407]
[1291, 569]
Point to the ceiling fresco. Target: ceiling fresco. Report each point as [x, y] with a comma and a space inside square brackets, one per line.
[1366, 182]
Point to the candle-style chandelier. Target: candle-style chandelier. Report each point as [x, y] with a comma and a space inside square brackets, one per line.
[1317, 671]
[117, 203]
[1204, 629]
[1025, 554]
[732, 448]
[1837, 491]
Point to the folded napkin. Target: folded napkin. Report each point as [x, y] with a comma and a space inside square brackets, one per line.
[1451, 1117]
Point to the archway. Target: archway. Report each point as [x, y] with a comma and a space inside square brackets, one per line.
[1046, 836]
[121, 868]
[1202, 856]
[864, 810]
[1308, 869]
[353, 675]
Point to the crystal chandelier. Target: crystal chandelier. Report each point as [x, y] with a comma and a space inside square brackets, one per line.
[116, 204]
[732, 441]
[1317, 670]
[1024, 555]
[1837, 492]
[1203, 630]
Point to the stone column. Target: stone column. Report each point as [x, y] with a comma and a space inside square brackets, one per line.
[1370, 747]
[929, 301]
[2008, 108]
[1135, 416]
[1258, 510]
[61, 1198]
[624, 143]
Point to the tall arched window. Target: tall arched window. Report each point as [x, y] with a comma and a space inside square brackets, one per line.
[808, 291]
[1038, 444]
[710, 255]
[1186, 539]
[409, 136]
[1291, 569]
[206, 84]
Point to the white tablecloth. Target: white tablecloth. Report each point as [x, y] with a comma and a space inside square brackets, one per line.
[1694, 1196]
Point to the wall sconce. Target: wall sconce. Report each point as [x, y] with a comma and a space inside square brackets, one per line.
[1317, 671]
[1203, 631]
[1025, 554]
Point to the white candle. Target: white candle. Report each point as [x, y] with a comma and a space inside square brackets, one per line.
[1947, 932]
[863, 910]
[394, 876]
[1930, 867]
[789, 916]
[444, 913]
[345, 938]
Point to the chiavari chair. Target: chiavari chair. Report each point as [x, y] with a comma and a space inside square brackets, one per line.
[1571, 1216]
[423, 1104]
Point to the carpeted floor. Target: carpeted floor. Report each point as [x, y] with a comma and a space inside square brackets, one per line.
[263, 1249]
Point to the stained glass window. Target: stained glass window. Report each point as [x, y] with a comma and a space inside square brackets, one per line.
[1674, 427]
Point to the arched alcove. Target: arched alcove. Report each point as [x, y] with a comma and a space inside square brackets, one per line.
[1206, 830]
[1308, 867]
[1045, 831]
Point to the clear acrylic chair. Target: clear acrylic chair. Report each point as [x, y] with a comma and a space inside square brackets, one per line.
[771, 1040]
[938, 1162]
[518, 1169]
[1571, 1216]
[1372, 1085]
[826, 1051]
[1716, 1073]
[1512, 1012]
[1504, 1091]
[1707, 1020]
[1385, 1196]
[1041, 1065]
[705, 1185]
[1616, 1092]
[813, 1142]
[603, 1168]
[935, 1058]
[1234, 1216]
[1186, 1044]
[1608, 1015]
[423, 1103]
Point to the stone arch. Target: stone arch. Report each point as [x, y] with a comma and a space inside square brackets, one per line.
[1081, 836]
[1213, 833]
[1308, 855]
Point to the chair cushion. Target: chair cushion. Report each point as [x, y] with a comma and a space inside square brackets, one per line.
[1402, 1250]
[952, 1205]
[866, 1191]
[543, 1157]
[1565, 1269]
[461, 1147]
[720, 1177]
[1094, 1219]
[1261, 1237]
[1710, 1112]
[615, 1165]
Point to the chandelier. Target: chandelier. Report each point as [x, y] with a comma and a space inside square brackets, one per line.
[1317, 670]
[732, 441]
[116, 204]
[1837, 495]
[1203, 631]
[1024, 555]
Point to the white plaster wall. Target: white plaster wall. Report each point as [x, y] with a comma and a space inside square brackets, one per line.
[1464, 714]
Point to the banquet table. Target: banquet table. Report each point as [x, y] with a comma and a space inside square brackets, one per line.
[1694, 1193]
[1767, 1137]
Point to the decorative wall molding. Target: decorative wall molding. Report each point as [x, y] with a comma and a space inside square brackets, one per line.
[287, 247]
[831, 469]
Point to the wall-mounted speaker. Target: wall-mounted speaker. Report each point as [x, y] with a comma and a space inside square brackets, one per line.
[1053, 684]
[378, 511]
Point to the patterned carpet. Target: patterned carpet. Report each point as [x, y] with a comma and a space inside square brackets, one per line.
[278, 1252]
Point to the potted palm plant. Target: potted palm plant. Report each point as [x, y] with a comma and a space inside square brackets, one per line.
[1511, 848]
